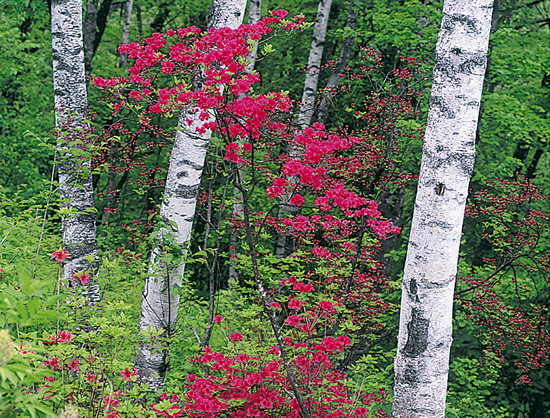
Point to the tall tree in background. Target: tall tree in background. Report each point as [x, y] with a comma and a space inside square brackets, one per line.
[95, 22]
[160, 305]
[314, 63]
[284, 246]
[425, 330]
[79, 232]
[345, 53]
[254, 15]
[128, 6]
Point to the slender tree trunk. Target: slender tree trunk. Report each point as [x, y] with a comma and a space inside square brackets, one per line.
[285, 244]
[425, 330]
[391, 207]
[90, 23]
[314, 63]
[160, 302]
[343, 59]
[95, 21]
[74, 168]
[254, 15]
[111, 185]
[126, 28]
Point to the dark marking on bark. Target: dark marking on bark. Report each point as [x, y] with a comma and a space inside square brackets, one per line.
[188, 163]
[413, 290]
[440, 284]
[417, 338]
[439, 103]
[470, 24]
[410, 376]
[184, 192]
[465, 161]
[440, 189]
[473, 61]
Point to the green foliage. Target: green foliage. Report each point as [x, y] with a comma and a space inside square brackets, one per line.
[470, 388]
[19, 370]
[26, 94]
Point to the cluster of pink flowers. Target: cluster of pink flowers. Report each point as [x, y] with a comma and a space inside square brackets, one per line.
[260, 386]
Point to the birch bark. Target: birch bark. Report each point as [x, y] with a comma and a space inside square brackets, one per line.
[160, 303]
[128, 6]
[425, 330]
[71, 103]
[285, 245]
[314, 63]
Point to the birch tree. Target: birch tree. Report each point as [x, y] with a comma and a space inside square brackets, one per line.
[284, 242]
[128, 6]
[160, 303]
[75, 180]
[425, 330]
[314, 63]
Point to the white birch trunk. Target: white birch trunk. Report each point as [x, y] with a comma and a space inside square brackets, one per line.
[128, 6]
[425, 330]
[160, 303]
[285, 245]
[74, 170]
[314, 63]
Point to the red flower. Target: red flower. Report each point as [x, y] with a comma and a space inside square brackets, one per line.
[361, 411]
[130, 376]
[293, 320]
[64, 336]
[297, 200]
[236, 337]
[83, 277]
[218, 318]
[326, 306]
[274, 350]
[302, 287]
[73, 365]
[60, 255]
[295, 304]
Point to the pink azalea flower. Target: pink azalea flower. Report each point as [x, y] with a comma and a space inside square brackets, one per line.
[130, 376]
[83, 277]
[60, 255]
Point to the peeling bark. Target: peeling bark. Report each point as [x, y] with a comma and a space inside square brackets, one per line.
[425, 330]
[160, 301]
[71, 103]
